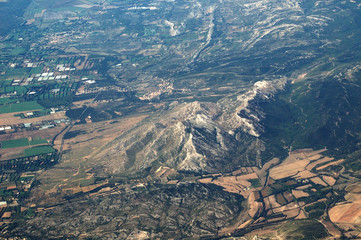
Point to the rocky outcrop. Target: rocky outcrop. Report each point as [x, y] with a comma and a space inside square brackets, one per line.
[244, 112]
[197, 136]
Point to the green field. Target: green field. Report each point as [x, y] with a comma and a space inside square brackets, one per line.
[19, 107]
[255, 182]
[36, 70]
[17, 51]
[22, 142]
[5, 88]
[38, 150]
[7, 100]
[38, 141]
[15, 143]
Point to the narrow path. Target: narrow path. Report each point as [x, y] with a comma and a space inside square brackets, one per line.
[70, 126]
[208, 40]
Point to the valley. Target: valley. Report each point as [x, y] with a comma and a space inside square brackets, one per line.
[180, 119]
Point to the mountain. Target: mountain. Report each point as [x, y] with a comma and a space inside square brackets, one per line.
[181, 119]
[196, 136]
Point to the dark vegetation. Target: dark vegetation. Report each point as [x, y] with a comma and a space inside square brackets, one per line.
[354, 161]
[72, 134]
[30, 163]
[56, 102]
[317, 112]
[166, 213]
[316, 210]
[255, 182]
[11, 13]
[84, 112]
[303, 230]
[327, 116]
[136, 147]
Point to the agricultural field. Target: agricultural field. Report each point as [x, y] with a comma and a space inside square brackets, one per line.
[347, 214]
[299, 193]
[180, 119]
[20, 107]
[239, 184]
[89, 140]
[22, 142]
[15, 143]
[20, 147]
[16, 179]
[5, 100]
[11, 119]
[34, 151]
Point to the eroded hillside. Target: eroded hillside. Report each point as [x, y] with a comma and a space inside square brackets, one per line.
[123, 116]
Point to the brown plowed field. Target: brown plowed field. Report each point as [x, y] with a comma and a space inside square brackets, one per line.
[292, 213]
[354, 188]
[329, 180]
[9, 119]
[305, 175]
[331, 228]
[318, 180]
[247, 176]
[273, 201]
[288, 196]
[296, 163]
[299, 193]
[290, 206]
[304, 187]
[346, 213]
[44, 134]
[352, 197]
[254, 206]
[318, 162]
[205, 180]
[315, 157]
[280, 199]
[7, 153]
[302, 215]
[234, 184]
[267, 204]
[288, 170]
[330, 164]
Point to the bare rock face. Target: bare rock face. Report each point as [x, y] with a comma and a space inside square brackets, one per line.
[201, 137]
[244, 112]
